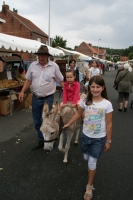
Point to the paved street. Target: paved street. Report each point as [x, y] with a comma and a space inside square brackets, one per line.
[38, 175]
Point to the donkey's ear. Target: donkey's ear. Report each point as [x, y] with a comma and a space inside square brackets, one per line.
[46, 109]
[56, 108]
[54, 111]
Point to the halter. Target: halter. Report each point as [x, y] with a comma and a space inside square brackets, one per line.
[62, 124]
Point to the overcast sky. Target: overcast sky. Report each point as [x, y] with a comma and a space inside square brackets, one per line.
[82, 20]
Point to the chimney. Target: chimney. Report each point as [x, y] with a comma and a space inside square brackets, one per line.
[90, 44]
[15, 10]
[5, 7]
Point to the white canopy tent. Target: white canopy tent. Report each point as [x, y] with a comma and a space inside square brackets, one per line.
[79, 55]
[80, 58]
[10, 44]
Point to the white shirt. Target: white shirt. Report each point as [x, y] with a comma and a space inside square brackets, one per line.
[94, 71]
[44, 79]
[94, 125]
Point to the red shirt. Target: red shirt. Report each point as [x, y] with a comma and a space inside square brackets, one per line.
[71, 93]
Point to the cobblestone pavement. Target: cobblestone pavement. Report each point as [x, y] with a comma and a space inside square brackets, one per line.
[37, 175]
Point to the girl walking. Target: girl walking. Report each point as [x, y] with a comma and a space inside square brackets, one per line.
[94, 70]
[97, 127]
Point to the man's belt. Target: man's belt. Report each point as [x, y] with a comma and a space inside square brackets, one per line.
[41, 98]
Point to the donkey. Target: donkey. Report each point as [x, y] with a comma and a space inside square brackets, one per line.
[66, 113]
[50, 125]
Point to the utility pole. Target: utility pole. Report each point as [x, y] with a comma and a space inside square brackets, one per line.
[49, 26]
[98, 47]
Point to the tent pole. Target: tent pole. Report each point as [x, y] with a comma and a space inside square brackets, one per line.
[68, 60]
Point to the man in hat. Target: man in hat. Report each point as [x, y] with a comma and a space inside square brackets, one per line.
[41, 77]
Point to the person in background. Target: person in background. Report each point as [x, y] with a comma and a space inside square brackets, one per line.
[94, 70]
[97, 127]
[125, 80]
[86, 72]
[72, 64]
[122, 68]
[41, 77]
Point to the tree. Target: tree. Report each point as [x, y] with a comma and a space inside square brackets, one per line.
[130, 55]
[58, 41]
[75, 47]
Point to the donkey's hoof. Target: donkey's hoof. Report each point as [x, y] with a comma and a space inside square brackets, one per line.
[75, 143]
[65, 162]
[47, 150]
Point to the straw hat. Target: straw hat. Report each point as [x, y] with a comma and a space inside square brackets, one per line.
[43, 50]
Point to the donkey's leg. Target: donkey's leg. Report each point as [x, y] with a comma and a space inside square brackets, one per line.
[67, 146]
[77, 136]
[60, 146]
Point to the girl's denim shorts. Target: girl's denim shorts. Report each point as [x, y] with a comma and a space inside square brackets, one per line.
[92, 146]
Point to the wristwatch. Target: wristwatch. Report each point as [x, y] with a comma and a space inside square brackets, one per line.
[108, 141]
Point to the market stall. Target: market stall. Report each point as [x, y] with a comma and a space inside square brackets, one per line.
[10, 79]
[10, 44]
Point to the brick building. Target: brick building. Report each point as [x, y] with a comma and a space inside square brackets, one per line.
[1, 22]
[89, 50]
[124, 58]
[17, 25]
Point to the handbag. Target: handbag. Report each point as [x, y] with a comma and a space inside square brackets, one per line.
[117, 84]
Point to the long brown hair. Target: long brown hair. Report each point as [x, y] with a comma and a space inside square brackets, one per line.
[96, 61]
[99, 81]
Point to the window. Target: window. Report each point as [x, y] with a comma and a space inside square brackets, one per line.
[46, 42]
[39, 39]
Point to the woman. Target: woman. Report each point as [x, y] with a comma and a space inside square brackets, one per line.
[121, 69]
[94, 70]
[125, 80]
[72, 64]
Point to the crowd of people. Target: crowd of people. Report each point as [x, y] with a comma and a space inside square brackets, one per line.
[95, 109]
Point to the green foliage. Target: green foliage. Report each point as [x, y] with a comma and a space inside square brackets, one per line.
[75, 47]
[130, 55]
[69, 48]
[58, 41]
[120, 52]
[116, 59]
[108, 58]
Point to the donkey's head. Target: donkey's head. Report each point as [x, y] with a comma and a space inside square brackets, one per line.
[50, 127]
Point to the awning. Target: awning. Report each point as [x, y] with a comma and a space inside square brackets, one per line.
[79, 55]
[10, 44]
